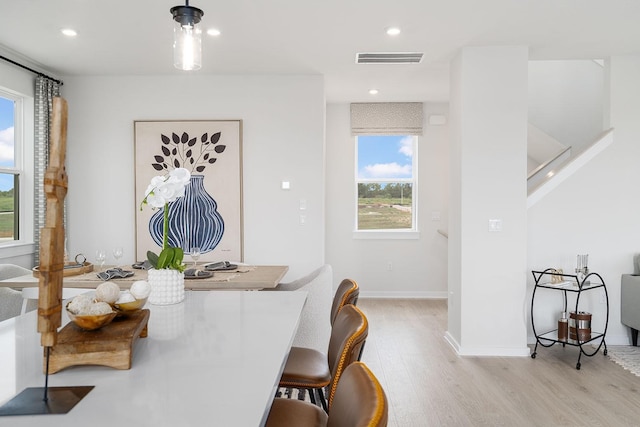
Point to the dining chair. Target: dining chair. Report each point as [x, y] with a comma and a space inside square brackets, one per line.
[347, 293]
[9, 271]
[10, 301]
[312, 370]
[359, 400]
[314, 328]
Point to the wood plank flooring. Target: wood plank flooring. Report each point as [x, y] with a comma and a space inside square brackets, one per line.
[428, 384]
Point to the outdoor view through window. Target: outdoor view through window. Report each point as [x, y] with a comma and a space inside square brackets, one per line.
[386, 182]
[8, 172]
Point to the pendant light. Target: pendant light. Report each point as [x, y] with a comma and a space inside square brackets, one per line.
[187, 37]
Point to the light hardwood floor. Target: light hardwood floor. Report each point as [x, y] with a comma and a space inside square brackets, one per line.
[427, 384]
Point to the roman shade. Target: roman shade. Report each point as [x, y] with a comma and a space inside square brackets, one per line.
[386, 118]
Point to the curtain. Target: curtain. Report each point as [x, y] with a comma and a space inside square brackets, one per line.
[386, 118]
[46, 90]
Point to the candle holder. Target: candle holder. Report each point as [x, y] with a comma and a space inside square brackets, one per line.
[581, 266]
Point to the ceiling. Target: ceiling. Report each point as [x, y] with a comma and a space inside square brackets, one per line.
[134, 37]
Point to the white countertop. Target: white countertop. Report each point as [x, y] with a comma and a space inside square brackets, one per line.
[214, 359]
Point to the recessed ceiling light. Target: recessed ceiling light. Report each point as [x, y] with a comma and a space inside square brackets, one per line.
[213, 32]
[393, 31]
[373, 91]
[69, 32]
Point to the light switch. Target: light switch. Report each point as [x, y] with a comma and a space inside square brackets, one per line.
[286, 185]
[435, 216]
[303, 204]
[495, 225]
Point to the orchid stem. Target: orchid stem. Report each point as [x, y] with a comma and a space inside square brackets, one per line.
[165, 231]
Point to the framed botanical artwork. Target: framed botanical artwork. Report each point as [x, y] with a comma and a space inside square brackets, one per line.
[208, 219]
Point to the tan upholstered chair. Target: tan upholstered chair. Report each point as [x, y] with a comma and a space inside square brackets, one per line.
[359, 401]
[347, 293]
[307, 368]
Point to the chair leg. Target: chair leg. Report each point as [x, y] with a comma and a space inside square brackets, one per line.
[312, 395]
[361, 351]
[323, 400]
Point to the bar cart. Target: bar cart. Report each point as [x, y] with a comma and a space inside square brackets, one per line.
[570, 284]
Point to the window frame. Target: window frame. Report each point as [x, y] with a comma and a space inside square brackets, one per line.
[24, 168]
[391, 233]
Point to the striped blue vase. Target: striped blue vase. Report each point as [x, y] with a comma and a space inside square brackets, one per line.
[194, 220]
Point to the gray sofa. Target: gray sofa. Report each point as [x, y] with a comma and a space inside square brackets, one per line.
[630, 300]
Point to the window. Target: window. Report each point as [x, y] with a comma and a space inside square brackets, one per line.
[13, 177]
[386, 180]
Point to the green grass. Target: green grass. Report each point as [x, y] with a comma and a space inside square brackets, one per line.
[6, 204]
[6, 219]
[384, 201]
[377, 214]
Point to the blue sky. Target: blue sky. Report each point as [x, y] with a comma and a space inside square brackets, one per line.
[384, 156]
[6, 141]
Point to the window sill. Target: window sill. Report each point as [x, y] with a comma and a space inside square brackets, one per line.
[16, 249]
[386, 235]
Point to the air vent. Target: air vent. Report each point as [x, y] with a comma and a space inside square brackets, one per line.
[389, 58]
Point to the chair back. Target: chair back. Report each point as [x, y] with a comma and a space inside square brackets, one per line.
[314, 330]
[9, 271]
[10, 302]
[348, 336]
[359, 399]
[10, 299]
[347, 293]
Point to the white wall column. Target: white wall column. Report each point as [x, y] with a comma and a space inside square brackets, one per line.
[488, 134]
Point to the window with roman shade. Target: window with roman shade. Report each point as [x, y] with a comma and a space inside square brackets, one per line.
[386, 172]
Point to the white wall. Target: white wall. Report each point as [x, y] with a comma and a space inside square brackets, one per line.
[419, 266]
[596, 210]
[566, 100]
[283, 139]
[488, 170]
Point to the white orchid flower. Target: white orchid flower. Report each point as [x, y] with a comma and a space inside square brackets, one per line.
[166, 189]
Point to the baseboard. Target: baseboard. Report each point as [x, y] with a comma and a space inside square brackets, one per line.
[403, 294]
[486, 351]
[495, 351]
[452, 342]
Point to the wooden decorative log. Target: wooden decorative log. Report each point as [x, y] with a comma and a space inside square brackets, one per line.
[52, 235]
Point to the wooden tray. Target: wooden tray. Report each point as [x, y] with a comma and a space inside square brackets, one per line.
[111, 345]
[86, 267]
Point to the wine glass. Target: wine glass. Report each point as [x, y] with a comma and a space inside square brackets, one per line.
[101, 257]
[195, 254]
[117, 253]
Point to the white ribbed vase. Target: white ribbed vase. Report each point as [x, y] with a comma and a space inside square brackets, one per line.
[167, 286]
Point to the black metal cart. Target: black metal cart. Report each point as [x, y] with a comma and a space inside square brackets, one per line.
[570, 283]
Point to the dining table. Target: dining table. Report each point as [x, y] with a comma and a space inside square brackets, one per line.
[243, 277]
[214, 359]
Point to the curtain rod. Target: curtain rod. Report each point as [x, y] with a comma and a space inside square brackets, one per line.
[60, 82]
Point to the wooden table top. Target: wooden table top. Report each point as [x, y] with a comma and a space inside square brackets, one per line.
[247, 277]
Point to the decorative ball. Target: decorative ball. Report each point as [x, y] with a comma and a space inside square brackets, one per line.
[80, 304]
[100, 308]
[140, 289]
[125, 297]
[107, 292]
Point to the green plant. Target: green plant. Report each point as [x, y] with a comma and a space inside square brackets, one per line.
[162, 191]
[169, 258]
